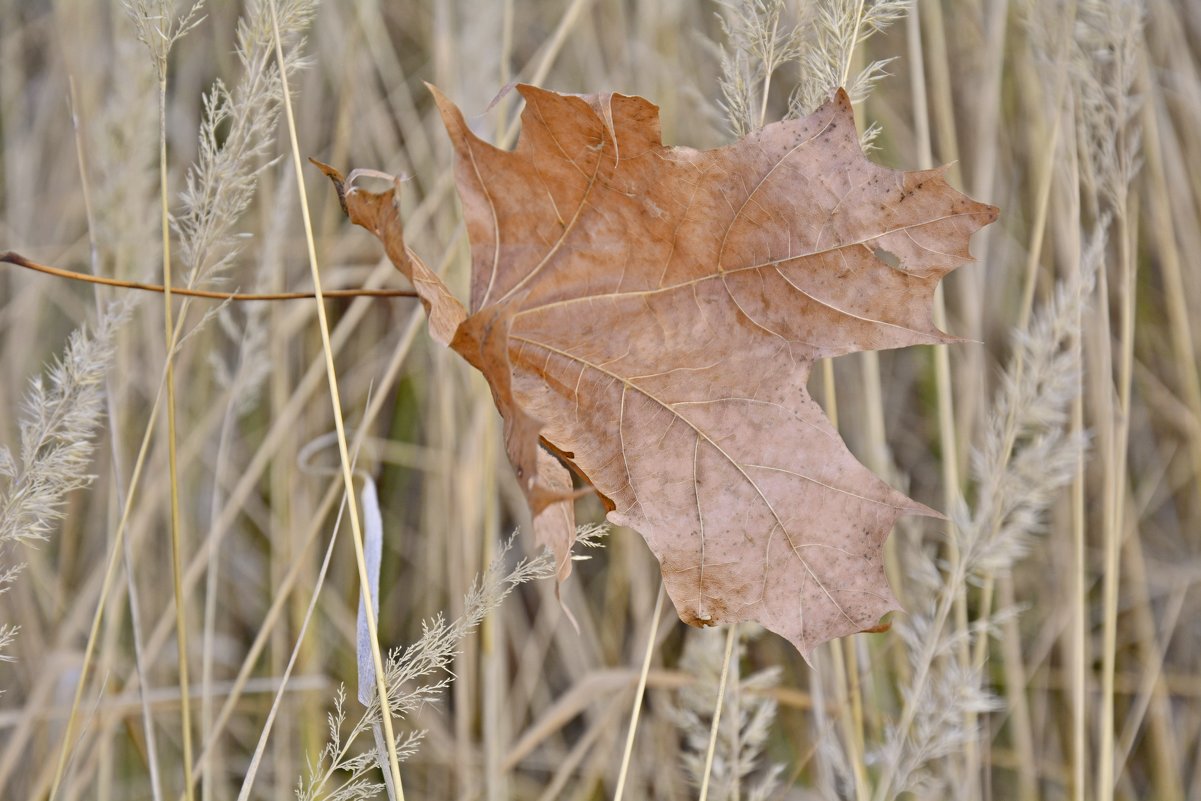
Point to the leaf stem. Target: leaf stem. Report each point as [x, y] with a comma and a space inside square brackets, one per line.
[20, 261]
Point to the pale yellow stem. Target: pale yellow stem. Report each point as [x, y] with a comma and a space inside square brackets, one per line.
[731, 636]
[639, 694]
[335, 400]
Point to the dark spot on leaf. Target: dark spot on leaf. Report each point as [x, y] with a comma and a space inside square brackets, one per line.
[888, 257]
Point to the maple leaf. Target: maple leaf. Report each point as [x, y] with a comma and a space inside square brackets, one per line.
[651, 314]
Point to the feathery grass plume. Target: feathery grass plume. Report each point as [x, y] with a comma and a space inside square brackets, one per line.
[746, 720]
[59, 421]
[247, 330]
[414, 677]
[1103, 65]
[335, 758]
[8, 633]
[760, 42]
[122, 146]
[834, 30]
[591, 536]
[1107, 39]
[939, 732]
[159, 27]
[235, 137]
[1027, 455]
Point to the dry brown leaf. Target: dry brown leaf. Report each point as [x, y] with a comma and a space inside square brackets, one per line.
[653, 312]
[379, 213]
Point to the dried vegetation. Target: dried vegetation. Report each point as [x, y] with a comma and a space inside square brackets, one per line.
[1049, 650]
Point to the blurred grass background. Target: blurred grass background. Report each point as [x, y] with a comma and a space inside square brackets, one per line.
[997, 89]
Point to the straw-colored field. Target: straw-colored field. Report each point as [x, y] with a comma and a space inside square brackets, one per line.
[179, 571]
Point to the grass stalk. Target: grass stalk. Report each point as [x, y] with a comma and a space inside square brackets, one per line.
[731, 637]
[492, 630]
[114, 421]
[1118, 441]
[1151, 702]
[492, 633]
[109, 647]
[846, 687]
[852, 736]
[768, 71]
[1110, 536]
[181, 622]
[110, 572]
[1016, 682]
[297, 568]
[1078, 638]
[1114, 527]
[264, 735]
[1034, 251]
[639, 694]
[885, 784]
[237, 497]
[1172, 268]
[951, 491]
[117, 550]
[951, 475]
[335, 400]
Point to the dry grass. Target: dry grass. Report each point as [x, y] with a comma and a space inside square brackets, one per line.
[1049, 650]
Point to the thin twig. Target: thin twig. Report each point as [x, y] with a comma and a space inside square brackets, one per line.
[15, 258]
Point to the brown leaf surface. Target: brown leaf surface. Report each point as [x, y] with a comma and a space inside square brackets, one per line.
[653, 313]
[554, 526]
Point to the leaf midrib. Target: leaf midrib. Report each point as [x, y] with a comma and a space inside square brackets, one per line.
[723, 274]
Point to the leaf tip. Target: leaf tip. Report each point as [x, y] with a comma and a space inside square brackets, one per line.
[335, 175]
[879, 628]
[528, 90]
[921, 510]
[445, 105]
[452, 116]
